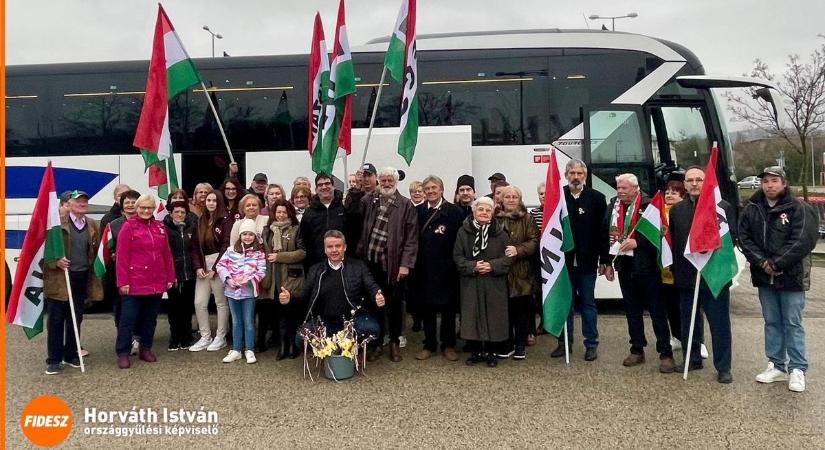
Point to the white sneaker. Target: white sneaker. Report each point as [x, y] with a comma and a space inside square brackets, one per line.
[218, 343]
[675, 344]
[402, 341]
[703, 351]
[201, 345]
[772, 374]
[232, 356]
[135, 347]
[250, 357]
[797, 381]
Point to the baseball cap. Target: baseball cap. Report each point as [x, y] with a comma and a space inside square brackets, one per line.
[773, 170]
[77, 194]
[65, 196]
[259, 177]
[497, 176]
[368, 167]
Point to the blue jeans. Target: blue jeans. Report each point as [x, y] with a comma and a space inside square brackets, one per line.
[784, 334]
[717, 310]
[138, 316]
[243, 323]
[584, 286]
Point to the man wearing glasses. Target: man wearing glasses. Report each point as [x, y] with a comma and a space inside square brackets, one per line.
[325, 212]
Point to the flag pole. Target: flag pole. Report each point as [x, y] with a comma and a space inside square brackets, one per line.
[74, 319]
[566, 345]
[686, 351]
[218, 120]
[372, 118]
[168, 179]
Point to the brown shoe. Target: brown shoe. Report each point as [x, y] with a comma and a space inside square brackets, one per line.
[531, 340]
[450, 354]
[395, 352]
[423, 354]
[666, 365]
[373, 355]
[634, 359]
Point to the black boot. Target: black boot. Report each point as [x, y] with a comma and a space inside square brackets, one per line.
[492, 360]
[475, 358]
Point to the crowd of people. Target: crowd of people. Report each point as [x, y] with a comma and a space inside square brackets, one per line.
[275, 259]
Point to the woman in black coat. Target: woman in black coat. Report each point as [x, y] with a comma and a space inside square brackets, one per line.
[435, 282]
[180, 225]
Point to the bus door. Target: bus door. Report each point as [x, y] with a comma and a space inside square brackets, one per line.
[617, 140]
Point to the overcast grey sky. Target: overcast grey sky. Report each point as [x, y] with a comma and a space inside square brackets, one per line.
[725, 35]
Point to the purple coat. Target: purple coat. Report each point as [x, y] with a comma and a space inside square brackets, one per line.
[144, 261]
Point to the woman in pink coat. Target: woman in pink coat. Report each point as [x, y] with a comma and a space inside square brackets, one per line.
[145, 270]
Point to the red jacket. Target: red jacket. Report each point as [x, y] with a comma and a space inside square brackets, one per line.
[144, 261]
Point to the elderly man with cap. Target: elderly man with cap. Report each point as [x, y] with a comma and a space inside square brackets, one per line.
[495, 180]
[465, 193]
[389, 245]
[777, 233]
[366, 181]
[81, 236]
[258, 186]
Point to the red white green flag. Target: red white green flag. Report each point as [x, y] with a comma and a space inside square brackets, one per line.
[317, 93]
[337, 134]
[652, 225]
[556, 238]
[104, 252]
[43, 244]
[170, 72]
[710, 245]
[402, 63]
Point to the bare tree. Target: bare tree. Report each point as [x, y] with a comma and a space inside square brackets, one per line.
[803, 86]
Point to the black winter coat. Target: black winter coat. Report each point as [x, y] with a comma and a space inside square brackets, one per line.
[680, 219]
[586, 216]
[317, 220]
[435, 279]
[645, 257]
[180, 242]
[358, 284]
[784, 235]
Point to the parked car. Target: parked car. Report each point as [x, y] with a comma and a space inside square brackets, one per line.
[752, 182]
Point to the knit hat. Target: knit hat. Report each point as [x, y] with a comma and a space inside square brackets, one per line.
[465, 180]
[247, 226]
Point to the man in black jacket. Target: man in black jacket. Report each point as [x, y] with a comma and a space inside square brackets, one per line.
[639, 273]
[777, 234]
[586, 208]
[335, 289]
[716, 309]
[325, 212]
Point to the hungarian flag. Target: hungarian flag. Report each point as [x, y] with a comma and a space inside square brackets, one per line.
[43, 244]
[337, 134]
[653, 226]
[170, 72]
[402, 64]
[556, 238]
[317, 93]
[710, 246]
[160, 212]
[104, 252]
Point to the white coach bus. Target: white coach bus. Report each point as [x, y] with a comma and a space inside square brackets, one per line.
[489, 102]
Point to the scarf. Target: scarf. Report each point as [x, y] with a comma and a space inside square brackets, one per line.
[379, 235]
[482, 237]
[623, 220]
[278, 230]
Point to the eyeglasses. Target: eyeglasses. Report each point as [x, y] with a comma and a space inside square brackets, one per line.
[323, 183]
[694, 180]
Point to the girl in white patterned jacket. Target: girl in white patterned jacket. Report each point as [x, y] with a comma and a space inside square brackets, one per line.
[241, 268]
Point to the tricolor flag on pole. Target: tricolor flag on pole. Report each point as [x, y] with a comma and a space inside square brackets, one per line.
[170, 72]
[43, 244]
[556, 238]
[317, 93]
[653, 226]
[104, 252]
[402, 64]
[337, 134]
[710, 246]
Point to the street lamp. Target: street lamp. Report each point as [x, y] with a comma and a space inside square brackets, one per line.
[214, 35]
[613, 18]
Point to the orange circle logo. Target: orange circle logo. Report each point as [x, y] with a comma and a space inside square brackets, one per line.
[46, 421]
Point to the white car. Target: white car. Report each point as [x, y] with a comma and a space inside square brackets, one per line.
[752, 182]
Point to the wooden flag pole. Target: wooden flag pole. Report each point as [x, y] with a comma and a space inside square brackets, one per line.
[74, 320]
[686, 351]
[218, 120]
[372, 118]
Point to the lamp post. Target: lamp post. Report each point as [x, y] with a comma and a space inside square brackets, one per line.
[214, 35]
[613, 18]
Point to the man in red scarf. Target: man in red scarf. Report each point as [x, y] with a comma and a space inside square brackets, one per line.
[639, 273]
